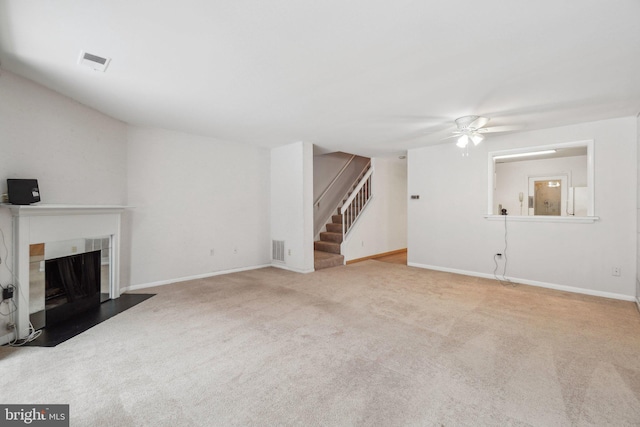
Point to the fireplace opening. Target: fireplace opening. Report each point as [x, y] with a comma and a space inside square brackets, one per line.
[72, 285]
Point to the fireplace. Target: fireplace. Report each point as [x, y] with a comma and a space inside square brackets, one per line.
[67, 278]
[46, 232]
[72, 286]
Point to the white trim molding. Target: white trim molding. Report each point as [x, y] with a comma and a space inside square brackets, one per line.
[194, 277]
[542, 218]
[589, 144]
[50, 209]
[295, 270]
[529, 282]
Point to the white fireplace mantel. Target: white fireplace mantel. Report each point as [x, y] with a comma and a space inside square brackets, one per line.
[47, 223]
[33, 210]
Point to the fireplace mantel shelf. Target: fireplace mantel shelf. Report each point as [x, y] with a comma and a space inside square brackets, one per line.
[51, 209]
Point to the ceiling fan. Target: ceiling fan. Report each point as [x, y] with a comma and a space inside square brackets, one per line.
[469, 129]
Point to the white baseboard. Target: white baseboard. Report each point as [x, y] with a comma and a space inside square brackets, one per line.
[638, 302]
[195, 277]
[530, 282]
[295, 270]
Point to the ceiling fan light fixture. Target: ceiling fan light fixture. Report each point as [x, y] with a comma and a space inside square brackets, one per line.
[477, 138]
[469, 130]
[463, 140]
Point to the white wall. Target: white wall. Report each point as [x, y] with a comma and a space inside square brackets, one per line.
[192, 195]
[292, 204]
[325, 169]
[77, 154]
[383, 226]
[447, 230]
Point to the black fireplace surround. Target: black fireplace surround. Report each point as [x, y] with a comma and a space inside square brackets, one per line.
[72, 286]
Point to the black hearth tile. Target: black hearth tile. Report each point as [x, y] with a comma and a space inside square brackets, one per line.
[54, 335]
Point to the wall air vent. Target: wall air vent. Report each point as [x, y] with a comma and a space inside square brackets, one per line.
[95, 62]
[277, 251]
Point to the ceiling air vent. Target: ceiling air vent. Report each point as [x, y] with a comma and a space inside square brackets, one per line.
[96, 62]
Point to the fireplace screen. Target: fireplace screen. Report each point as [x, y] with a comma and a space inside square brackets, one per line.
[71, 278]
[72, 286]
[67, 278]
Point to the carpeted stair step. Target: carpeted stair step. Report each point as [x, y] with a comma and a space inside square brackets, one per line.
[328, 236]
[336, 219]
[326, 260]
[334, 228]
[331, 247]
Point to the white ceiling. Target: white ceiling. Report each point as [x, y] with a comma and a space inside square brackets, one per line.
[370, 77]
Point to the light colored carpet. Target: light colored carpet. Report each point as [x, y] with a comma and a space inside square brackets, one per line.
[366, 344]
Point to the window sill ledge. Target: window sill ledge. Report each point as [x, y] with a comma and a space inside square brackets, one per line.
[524, 218]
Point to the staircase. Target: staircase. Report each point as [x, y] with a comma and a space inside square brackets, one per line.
[327, 250]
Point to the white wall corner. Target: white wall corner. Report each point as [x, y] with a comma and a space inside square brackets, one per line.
[291, 204]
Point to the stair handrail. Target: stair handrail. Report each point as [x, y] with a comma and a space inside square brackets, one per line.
[356, 182]
[354, 193]
[347, 210]
[324, 193]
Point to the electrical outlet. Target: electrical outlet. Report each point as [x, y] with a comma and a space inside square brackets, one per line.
[615, 271]
[10, 326]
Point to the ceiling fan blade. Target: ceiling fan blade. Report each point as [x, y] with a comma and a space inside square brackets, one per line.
[479, 122]
[418, 133]
[407, 119]
[496, 129]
